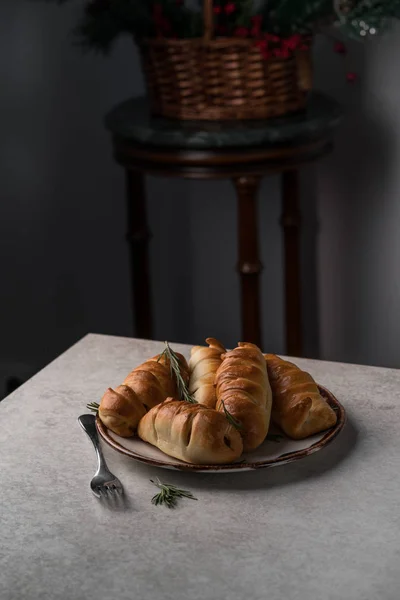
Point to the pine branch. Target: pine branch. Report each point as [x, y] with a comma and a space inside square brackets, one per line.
[368, 17]
[104, 21]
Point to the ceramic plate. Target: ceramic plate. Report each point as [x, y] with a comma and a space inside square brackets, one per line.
[269, 454]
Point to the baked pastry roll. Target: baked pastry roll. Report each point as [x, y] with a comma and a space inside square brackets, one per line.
[191, 432]
[203, 364]
[298, 407]
[243, 389]
[146, 386]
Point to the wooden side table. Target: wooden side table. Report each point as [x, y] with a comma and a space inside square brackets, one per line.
[243, 152]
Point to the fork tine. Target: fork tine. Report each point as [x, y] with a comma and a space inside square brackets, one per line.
[111, 495]
[95, 490]
[107, 489]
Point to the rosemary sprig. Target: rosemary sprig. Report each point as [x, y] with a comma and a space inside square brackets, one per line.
[175, 366]
[94, 407]
[169, 494]
[236, 424]
[274, 437]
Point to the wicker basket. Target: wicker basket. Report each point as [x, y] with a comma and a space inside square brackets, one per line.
[227, 78]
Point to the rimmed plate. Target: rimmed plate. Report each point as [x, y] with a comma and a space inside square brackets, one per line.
[269, 454]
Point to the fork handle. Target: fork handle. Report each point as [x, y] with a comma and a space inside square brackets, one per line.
[88, 424]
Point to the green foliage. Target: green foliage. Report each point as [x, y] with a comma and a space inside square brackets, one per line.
[369, 17]
[286, 17]
[103, 21]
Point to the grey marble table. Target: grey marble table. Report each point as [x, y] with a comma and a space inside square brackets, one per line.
[325, 528]
[133, 121]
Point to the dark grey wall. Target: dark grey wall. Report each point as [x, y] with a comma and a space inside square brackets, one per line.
[359, 199]
[64, 261]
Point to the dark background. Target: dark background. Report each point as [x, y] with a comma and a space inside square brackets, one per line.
[63, 257]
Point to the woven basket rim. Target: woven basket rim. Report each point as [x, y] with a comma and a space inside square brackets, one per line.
[228, 42]
[216, 43]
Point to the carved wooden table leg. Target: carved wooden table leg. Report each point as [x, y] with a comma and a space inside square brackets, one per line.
[291, 221]
[138, 237]
[249, 265]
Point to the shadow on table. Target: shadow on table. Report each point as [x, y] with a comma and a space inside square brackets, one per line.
[314, 466]
[115, 503]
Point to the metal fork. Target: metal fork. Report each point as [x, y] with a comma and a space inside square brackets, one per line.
[104, 484]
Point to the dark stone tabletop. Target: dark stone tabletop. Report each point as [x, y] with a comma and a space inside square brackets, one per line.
[132, 120]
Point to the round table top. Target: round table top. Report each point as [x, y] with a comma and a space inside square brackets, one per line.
[132, 121]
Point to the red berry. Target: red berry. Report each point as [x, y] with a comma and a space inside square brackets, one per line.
[351, 77]
[257, 20]
[262, 44]
[292, 42]
[241, 32]
[340, 48]
[230, 8]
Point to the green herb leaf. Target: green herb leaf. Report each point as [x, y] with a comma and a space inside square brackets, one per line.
[169, 494]
[236, 424]
[275, 437]
[175, 366]
[94, 407]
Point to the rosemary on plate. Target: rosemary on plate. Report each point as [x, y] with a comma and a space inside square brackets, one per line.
[169, 494]
[274, 437]
[231, 419]
[94, 407]
[175, 366]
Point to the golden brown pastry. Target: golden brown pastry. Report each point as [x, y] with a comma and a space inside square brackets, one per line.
[298, 407]
[120, 410]
[146, 386]
[203, 364]
[191, 432]
[243, 387]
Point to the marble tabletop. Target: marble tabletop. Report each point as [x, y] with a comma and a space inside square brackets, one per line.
[132, 121]
[325, 528]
